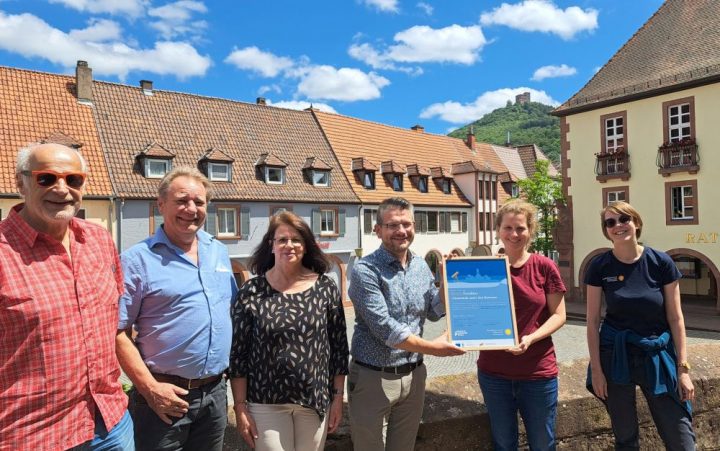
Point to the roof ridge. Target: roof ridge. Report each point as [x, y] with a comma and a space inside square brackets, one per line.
[34, 71]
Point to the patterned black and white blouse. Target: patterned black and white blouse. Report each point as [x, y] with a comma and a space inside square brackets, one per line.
[289, 346]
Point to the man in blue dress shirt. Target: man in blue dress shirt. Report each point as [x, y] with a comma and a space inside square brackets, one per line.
[178, 288]
[393, 292]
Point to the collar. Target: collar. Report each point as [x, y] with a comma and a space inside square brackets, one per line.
[160, 237]
[387, 258]
[30, 235]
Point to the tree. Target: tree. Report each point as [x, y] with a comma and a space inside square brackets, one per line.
[545, 192]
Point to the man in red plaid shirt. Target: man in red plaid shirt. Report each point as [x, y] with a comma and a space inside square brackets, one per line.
[60, 280]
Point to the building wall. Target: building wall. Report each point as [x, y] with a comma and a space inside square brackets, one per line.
[96, 211]
[644, 130]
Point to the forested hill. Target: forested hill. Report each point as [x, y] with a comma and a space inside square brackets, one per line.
[529, 123]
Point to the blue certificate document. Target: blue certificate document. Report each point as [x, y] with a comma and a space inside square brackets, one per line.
[479, 303]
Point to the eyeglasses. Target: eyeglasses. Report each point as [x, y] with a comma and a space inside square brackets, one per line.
[394, 226]
[48, 178]
[612, 222]
[297, 242]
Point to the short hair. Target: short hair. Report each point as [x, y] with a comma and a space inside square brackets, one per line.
[24, 154]
[621, 208]
[392, 203]
[518, 207]
[263, 259]
[184, 171]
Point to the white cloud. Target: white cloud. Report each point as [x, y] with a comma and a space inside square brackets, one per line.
[390, 6]
[269, 88]
[31, 37]
[132, 8]
[426, 8]
[458, 113]
[254, 59]
[543, 16]
[562, 70]
[345, 84]
[98, 31]
[422, 44]
[175, 19]
[302, 105]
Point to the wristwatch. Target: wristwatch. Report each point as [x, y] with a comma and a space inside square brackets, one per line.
[685, 365]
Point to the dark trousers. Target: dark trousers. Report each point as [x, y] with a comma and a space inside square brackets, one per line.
[202, 427]
[673, 422]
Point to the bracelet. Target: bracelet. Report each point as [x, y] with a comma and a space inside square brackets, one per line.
[338, 392]
[240, 403]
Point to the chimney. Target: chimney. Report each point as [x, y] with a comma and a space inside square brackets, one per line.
[261, 101]
[83, 83]
[470, 139]
[147, 87]
[418, 128]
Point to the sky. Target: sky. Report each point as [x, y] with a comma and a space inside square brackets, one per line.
[437, 63]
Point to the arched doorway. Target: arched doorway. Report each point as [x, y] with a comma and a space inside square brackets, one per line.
[481, 250]
[701, 279]
[338, 274]
[240, 272]
[433, 259]
[583, 267]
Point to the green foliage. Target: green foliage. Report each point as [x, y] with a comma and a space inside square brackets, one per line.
[530, 123]
[545, 192]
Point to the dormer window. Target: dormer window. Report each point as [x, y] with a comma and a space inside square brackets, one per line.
[515, 190]
[274, 176]
[219, 172]
[369, 180]
[156, 168]
[422, 184]
[397, 182]
[446, 186]
[321, 178]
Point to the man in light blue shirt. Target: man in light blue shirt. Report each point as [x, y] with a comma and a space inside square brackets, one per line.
[178, 288]
[393, 292]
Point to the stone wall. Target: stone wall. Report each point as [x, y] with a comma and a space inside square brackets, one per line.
[455, 416]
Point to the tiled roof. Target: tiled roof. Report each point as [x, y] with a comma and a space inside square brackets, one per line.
[217, 155]
[37, 106]
[316, 163]
[268, 159]
[392, 167]
[677, 46]
[189, 125]
[156, 150]
[416, 169]
[358, 143]
[511, 158]
[529, 155]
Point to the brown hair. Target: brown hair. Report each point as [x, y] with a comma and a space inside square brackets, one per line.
[263, 259]
[518, 207]
[621, 208]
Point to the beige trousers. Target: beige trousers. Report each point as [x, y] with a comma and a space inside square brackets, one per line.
[385, 409]
[288, 427]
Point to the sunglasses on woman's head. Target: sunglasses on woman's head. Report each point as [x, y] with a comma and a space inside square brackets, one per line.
[612, 222]
[47, 178]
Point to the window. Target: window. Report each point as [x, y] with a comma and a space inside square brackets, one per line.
[421, 222]
[515, 190]
[432, 222]
[156, 219]
[615, 194]
[485, 222]
[369, 217]
[397, 182]
[488, 190]
[321, 178]
[422, 184]
[227, 221]
[369, 180]
[615, 165]
[446, 186]
[327, 222]
[156, 169]
[455, 224]
[681, 202]
[679, 122]
[275, 176]
[614, 134]
[219, 172]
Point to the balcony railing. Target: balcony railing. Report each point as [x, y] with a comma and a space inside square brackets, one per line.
[612, 165]
[678, 157]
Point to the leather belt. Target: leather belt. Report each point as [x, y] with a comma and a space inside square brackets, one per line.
[187, 384]
[402, 369]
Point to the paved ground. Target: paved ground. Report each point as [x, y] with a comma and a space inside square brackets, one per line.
[570, 344]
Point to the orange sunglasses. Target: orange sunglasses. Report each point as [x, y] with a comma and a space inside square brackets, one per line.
[48, 178]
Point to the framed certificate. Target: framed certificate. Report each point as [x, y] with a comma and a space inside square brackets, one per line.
[479, 305]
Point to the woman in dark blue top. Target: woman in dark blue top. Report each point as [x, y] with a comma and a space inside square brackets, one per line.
[642, 339]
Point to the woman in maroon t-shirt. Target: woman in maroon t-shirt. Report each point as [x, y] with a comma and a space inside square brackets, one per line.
[524, 378]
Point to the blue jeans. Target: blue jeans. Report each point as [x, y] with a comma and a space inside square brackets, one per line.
[535, 399]
[119, 438]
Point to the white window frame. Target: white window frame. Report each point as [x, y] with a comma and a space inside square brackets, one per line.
[269, 169]
[156, 175]
[316, 174]
[328, 222]
[397, 178]
[455, 222]
[614, 196]
[222, 223]
[614, 134]
[678, 196]
[679, 113]
[214, 177]
[514, 190]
